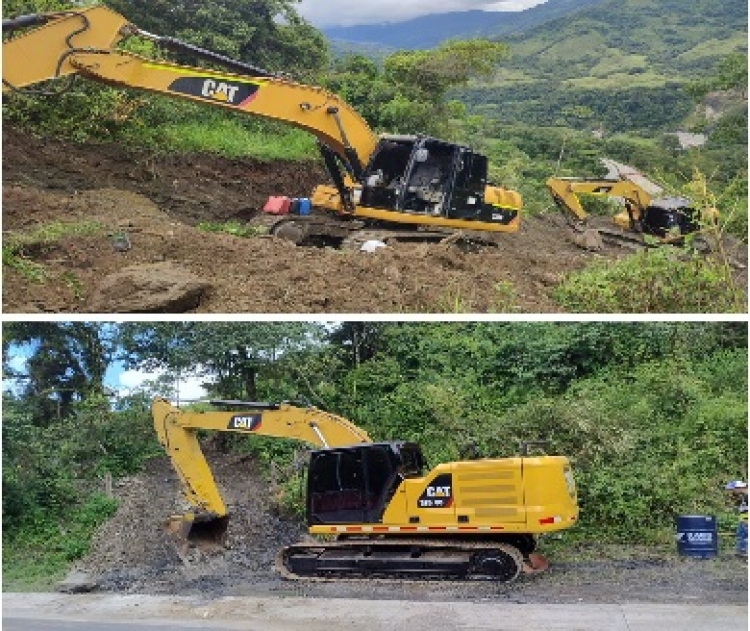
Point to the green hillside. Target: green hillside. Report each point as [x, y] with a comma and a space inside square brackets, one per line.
[624, 60]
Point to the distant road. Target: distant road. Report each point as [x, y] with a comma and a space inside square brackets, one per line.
[119, 612]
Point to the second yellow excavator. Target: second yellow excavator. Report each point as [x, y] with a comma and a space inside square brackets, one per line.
[667, 219]
[403, 186]
[381, 511]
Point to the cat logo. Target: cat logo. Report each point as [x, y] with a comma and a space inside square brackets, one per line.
[219, 91]
[438, 494]
[246, 422]
[438, 491]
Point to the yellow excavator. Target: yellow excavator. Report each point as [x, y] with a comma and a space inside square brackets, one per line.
[381, 511]
[405, 186]
[667, 219]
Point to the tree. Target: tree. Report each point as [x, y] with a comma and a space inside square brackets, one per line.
[65, 364]
[360, 82]
[232, 355]
[360, 340]
[265, 33]
[424, 78]
[730, 73]
[430, 74]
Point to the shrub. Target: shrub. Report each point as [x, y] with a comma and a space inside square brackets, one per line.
[661, 280]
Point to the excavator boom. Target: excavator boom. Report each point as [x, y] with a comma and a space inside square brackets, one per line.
[565, 192]
[177, 430]
[668, 219]
[83, 43]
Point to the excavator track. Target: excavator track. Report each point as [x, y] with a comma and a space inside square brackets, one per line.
[388, 560]
[637, 241]
[351, 234]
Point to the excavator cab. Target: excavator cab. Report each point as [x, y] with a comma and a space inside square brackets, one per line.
[354, 484]
[669, 216]
[423, 175]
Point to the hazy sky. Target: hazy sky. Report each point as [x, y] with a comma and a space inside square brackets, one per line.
[347, 13]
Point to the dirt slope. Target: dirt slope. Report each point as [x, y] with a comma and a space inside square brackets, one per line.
[131, 554]
[157, 200]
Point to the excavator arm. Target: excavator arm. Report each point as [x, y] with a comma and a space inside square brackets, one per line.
[84, 43]
[177, 430]
[565, 192]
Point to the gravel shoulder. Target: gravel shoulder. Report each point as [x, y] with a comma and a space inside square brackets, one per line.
[304, 614]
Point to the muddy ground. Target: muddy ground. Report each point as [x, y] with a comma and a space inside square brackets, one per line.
[157, 200]
[132, 554]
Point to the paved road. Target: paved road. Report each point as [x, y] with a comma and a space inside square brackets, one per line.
[111, 612]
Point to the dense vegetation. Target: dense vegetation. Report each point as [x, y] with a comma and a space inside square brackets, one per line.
[653, 415]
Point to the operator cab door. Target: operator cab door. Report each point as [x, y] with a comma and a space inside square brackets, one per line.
[336, 488]
[353, 485]
[429, 181]
[470, 180]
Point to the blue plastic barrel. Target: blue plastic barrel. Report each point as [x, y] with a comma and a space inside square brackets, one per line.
[697, 536]
[304, 206]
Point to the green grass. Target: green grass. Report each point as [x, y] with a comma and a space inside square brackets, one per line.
[661, 280]
[30, 568]
[18, 247]
[230, 138]
[714, 48]
[235, 228]
[615, 81]
[617, 62]
[40, 556]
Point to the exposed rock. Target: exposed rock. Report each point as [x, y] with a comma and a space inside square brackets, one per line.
[589, 239]
[77, 582]
[150, 288]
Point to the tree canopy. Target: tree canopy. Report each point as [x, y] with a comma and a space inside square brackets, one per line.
[265, 33]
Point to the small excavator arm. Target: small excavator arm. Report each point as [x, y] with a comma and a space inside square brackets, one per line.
[177, 432]
[83, 42]
[565, 191]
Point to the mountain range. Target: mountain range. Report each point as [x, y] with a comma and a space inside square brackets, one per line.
[428, 31]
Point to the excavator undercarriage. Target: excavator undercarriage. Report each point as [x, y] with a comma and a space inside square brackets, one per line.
[323, 230]
[422, 559]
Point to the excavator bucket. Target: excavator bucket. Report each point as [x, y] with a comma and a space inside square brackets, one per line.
[205, 532]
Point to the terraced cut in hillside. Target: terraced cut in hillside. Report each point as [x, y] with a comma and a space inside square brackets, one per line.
[84, 212]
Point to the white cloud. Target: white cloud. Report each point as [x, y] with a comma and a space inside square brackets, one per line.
[189, 386]
[346, 13]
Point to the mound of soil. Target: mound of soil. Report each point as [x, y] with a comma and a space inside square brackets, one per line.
[134, 552]
[131, 553]
[155, 201]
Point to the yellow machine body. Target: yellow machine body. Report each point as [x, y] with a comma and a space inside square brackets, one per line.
[509, 495]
